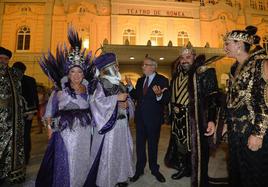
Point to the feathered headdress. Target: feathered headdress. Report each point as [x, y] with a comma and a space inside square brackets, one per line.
[57, 68]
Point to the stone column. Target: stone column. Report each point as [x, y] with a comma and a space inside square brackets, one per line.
[48, 24]
[2, 8]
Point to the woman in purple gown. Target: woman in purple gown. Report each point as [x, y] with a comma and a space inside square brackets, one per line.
[66, 161]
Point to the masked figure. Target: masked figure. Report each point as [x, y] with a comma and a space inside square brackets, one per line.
[112, 147]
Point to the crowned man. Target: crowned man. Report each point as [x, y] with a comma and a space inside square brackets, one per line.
[193, 105]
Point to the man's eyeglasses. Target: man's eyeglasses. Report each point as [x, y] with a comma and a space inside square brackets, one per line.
[145, 65]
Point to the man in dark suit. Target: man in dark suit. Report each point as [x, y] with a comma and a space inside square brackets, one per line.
[151, 94]
[29, 93]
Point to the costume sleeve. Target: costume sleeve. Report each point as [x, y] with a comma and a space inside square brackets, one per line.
[32, 103]
[211, 86]
[103, 109]
[52, 105]
[259, 104]
[133, 91]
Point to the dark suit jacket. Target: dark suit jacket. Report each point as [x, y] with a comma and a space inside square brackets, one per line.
[149, 111]
[29, 93]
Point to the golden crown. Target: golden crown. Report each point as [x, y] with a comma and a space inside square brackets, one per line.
[239, 37]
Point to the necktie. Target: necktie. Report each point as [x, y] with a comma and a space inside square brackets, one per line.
[145, 87]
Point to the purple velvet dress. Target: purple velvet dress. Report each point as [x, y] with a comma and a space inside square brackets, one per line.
[66, 161]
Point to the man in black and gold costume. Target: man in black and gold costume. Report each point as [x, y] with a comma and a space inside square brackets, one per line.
[11, 122]
[30, 98]
[193, 111]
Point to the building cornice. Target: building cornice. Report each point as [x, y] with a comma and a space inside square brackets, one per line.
[23, 1]
[192, 5]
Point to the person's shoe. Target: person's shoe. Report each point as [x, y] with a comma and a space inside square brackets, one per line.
[2, 181]
[183, 172]
[159, 177]
[135, 177]
[122, 184]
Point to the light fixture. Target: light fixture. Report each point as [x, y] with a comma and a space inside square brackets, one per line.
[161, 58]
[86, 43]
[131, 58]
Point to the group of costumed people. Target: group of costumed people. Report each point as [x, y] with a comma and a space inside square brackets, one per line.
[88, 112]
[195, 103]
[87, 117]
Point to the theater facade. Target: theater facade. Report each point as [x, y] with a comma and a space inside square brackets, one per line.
[131, 28]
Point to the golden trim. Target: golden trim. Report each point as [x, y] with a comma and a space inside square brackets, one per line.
[4, 103]
[188, 134]
[236, 80]
[266, 94]
[14, 119]
[197, 132]
[262, 71]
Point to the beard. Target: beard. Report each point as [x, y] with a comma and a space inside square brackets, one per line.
[186, 66]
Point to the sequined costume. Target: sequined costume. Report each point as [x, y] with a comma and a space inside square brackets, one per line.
[247, 114]
[67, 159]
[11, 126]
[194, 94]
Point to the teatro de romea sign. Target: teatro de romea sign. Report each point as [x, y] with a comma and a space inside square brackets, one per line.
[153, 12]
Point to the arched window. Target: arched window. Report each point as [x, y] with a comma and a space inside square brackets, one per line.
[183, 38]
[265, 43]
[82, 10]
[156, 38]
[130, 35]
[23, 38]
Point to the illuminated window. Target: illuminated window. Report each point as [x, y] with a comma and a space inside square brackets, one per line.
[211, 2]
[130, 35]
[156, 38]
[23, 38]
[183, 38]
[265, 43]
[25, 9]
[229, 2]
[253, 4]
